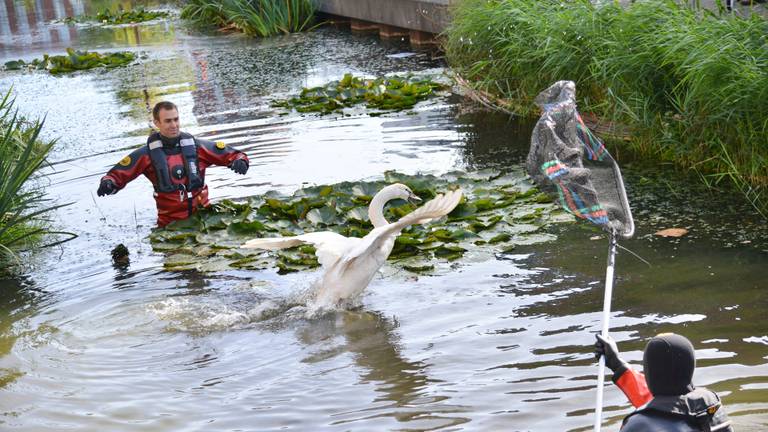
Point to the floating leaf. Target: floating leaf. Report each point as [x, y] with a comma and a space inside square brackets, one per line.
[121, 17]
[359, 214]
[385, 94]
[672, 232]
[419, 269]
[322, 216]
[503, 237]
[252, 227]
[74, 61]
[508, 215]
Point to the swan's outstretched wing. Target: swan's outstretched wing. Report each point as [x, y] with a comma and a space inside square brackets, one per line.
[329, 246]
[437, 207]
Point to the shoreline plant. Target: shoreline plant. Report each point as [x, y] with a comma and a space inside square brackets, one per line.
[23, 207]
[687, 83]
[259, 18]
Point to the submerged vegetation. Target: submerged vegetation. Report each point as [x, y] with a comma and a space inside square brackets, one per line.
[23, 207]
[259, 18]
[74, 60]
[384, 94]
[688, 84]
[120, 17]
[499, 211]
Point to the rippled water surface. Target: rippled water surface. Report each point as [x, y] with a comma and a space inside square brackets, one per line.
[500, 344]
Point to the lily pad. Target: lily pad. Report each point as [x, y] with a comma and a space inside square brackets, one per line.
[108, 17]
[509, 213]
[386, 94]
[74, 60]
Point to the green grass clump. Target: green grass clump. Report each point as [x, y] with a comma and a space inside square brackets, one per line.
[384, 94]
[120, 17]
[690, 84]
[74, 61]
[261, 18]
[23, 207]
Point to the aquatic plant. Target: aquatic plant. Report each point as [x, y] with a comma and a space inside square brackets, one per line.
[74, 61]
[687, 84]
[385, 94]
[23, 208]
[120, 17]
[499, 212]
[261, 18]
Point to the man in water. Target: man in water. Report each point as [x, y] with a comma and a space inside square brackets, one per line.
[175, 163]
[664, 396]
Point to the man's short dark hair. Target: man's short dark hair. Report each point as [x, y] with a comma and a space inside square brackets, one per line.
[164, 105]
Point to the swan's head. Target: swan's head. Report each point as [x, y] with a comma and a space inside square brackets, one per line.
[401, 191]
[389, 193]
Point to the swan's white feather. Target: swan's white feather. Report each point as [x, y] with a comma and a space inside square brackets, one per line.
[329, 246]
[351, 263]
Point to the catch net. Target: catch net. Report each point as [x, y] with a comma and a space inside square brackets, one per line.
[566, 158]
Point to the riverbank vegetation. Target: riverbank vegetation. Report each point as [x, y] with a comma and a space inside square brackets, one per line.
[23, 206]
[74, 60]
[688, 85]
[498, 211]
[260, 18]
[108, 17]
[386, 94]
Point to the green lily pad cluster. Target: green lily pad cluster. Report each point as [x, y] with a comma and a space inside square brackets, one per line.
[74, 60]
[385, 94]
[498, 212]
[120, 17]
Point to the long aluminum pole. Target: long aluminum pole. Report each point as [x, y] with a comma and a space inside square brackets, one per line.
[606, 317]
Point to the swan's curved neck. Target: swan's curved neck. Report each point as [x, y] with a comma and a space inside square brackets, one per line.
[376, 208]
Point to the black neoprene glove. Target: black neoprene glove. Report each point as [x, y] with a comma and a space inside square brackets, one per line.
[239, 166]
[106, 187]
[606, 346]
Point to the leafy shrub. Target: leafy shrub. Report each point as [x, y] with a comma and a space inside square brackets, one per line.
[23, 208]
[261, 18]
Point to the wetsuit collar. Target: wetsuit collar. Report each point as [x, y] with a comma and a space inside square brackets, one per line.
[169, 143]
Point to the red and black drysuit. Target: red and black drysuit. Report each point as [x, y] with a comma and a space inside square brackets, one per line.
[176, 168]
[697, 410]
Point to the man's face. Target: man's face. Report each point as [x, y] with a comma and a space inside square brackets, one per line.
[167, 122]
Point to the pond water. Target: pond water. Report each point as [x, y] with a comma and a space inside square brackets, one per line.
[498, 344]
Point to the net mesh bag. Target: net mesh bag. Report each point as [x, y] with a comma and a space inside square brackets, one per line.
[567, 159]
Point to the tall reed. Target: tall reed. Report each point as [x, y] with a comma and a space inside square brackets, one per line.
[23, 207]
[261, 18]
[689, 83]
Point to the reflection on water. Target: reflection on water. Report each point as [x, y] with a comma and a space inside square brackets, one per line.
[29, 29]
[402, 386]
[502, 344]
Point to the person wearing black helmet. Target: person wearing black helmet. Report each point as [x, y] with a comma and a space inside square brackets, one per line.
[665, 398]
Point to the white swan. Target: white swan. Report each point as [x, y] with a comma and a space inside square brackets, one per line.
[349, 262]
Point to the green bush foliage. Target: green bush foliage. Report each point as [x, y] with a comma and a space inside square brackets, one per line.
[23, 207]
[689, 83]
[260, 18]
[73, 61]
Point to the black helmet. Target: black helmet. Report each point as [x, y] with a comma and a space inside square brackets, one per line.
[668, 363]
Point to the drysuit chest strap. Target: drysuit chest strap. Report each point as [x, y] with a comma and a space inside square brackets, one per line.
[159, 160]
